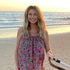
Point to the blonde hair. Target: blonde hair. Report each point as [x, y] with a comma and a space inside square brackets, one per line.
[41, 23]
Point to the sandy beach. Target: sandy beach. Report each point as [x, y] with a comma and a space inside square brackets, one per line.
[59, 40]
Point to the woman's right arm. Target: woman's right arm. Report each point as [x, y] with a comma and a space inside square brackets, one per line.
[19, 34]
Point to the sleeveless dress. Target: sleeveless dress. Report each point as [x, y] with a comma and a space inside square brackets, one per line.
[31, 53]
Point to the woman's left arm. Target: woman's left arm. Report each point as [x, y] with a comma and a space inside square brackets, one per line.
[47, 46]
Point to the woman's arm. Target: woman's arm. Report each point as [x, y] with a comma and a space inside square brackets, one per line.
[19, 34]
[47, 46]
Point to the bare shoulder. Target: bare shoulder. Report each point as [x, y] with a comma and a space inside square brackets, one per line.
[20, 29]
[20, 32]
[46, 33]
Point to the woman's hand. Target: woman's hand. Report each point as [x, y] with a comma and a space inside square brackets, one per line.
[50, 55]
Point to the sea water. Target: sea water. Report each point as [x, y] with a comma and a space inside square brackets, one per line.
[14, 19]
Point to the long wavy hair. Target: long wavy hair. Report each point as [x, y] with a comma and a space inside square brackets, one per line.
[41, 23]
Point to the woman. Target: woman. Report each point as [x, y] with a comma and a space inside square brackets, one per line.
[32, 39]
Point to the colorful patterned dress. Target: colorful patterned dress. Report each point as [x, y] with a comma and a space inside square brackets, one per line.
[31, 53]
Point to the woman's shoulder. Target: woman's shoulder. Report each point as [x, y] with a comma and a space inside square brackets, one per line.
[46, 32]
[20, 32]
[20, 29]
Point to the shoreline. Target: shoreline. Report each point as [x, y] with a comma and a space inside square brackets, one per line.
[58, 29]
[12, 32]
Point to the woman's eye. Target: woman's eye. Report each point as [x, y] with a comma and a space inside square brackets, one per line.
[29, 14]
[32, 14]
[35, 14]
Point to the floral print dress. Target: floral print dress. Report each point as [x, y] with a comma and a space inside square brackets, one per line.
[31, 53]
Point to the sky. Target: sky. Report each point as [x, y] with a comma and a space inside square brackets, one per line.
[44, 5]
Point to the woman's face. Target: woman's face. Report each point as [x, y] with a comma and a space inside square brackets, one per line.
[32, 16]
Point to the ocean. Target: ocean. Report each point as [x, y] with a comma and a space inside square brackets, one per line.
[14, 19]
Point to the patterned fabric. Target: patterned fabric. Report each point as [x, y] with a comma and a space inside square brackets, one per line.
[31, 53]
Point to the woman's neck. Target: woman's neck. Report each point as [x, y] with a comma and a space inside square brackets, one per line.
[33, 30]
[33, 27]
